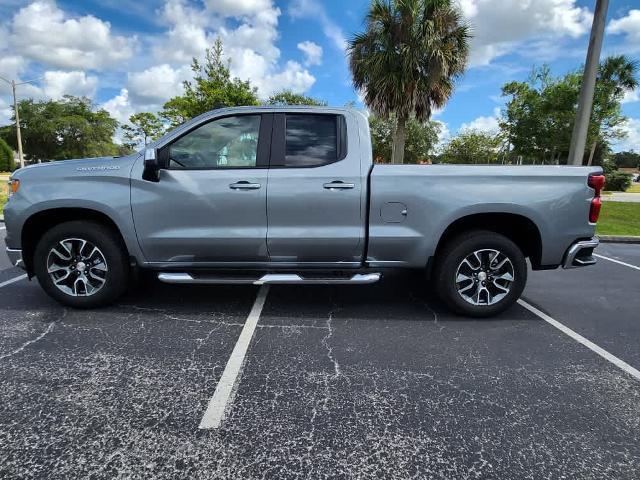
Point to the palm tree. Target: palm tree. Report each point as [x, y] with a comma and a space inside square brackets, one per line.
[407, 59]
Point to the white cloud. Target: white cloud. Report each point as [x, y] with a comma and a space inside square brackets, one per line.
[631, 127]
[631, 96]
[57, 84]
[314, 10]
[257, 33]
[12, 66]
[293, 76]
[238, 8]
[312, 52]
[502, 26]
[5, 112]
[187, 36]
[249, 43]
[629, 25]
[157, 84]
[488, 124]
[41, 31]
[119, 106]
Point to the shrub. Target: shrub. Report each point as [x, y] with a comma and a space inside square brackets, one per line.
[609, 167]
[617, 181]
[7, 163]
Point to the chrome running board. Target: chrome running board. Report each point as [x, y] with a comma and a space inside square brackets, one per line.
[269, 279]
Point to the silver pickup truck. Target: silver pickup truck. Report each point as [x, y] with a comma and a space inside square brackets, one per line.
[290, 195]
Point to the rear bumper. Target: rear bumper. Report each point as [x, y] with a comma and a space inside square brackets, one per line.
[15, 257]
[580, 254]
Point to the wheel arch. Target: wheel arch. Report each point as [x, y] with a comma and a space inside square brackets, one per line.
[40, 222]
[518, 228]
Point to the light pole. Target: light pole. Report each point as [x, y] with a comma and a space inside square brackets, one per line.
[585, 103]
[17, 113]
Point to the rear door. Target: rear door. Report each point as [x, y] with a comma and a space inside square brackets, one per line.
[209, 206]
[316, 193]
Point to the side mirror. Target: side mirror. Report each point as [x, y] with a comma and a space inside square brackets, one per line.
[151, 170]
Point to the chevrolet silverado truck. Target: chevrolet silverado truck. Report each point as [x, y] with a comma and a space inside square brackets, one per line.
[290, 195]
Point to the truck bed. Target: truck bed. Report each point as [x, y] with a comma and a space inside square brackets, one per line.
[411, 206]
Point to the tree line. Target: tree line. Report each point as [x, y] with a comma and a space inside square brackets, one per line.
[406, 64]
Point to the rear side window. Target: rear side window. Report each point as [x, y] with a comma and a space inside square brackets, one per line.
[313, 140]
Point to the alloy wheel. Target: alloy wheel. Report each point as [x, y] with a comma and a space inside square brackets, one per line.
[77, 267]
[484, 277]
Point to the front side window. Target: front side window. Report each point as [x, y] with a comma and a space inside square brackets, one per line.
[311, 140]
[230, 142]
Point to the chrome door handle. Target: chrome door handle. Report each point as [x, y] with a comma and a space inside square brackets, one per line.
[338, 185]
[244, 185]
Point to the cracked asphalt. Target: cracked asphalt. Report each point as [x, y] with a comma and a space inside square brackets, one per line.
[339, 382]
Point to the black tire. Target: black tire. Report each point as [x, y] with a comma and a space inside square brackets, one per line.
[462, 247]
[116, 278]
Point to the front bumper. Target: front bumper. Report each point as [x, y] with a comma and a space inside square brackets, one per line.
[580, 254]
[15, 257]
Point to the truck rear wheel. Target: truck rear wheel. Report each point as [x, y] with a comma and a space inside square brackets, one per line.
[81, 264]
[480, 274]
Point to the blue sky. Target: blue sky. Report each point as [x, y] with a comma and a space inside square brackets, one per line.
[132, 55]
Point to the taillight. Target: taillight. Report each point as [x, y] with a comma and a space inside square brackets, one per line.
[594, 211]
[597, 183]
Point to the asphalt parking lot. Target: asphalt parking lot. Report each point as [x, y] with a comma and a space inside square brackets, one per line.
[337, 382]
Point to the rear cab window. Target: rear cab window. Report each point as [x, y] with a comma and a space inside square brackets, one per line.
[308, 140]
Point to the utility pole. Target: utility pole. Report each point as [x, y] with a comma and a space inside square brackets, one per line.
[18, 134]
[17, 114]
[585, 103]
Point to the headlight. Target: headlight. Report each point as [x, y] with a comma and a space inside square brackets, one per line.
[13, 186]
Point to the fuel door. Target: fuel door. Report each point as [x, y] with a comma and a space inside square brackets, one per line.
[393, 212]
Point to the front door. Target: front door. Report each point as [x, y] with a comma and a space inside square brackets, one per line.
[209, 207]
[316, 204]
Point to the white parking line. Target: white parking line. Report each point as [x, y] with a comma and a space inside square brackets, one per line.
[222, 397]
[616, 261]
[13, 280]
[580, 339]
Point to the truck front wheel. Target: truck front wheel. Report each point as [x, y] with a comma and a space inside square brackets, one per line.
[81, 264]
[480, 274]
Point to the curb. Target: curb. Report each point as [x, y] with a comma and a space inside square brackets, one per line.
[618, 239]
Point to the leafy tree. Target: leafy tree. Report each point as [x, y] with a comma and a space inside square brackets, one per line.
[472, 146]
[145, 127]
[616, 75]
[407, 59]
[626, 159]
[7, 164]
[287, 97]
[421, 138]
[61, 129]
[539, 115]
[212, 87]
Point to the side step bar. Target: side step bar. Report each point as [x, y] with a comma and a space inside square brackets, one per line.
[269, 278]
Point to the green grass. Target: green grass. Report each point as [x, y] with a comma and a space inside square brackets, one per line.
[4, 177]
[619, 218]
[635, 188]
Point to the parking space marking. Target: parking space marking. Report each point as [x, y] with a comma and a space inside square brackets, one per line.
[584, 341]
[616, 261]
[13, 280]
[222, 397]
